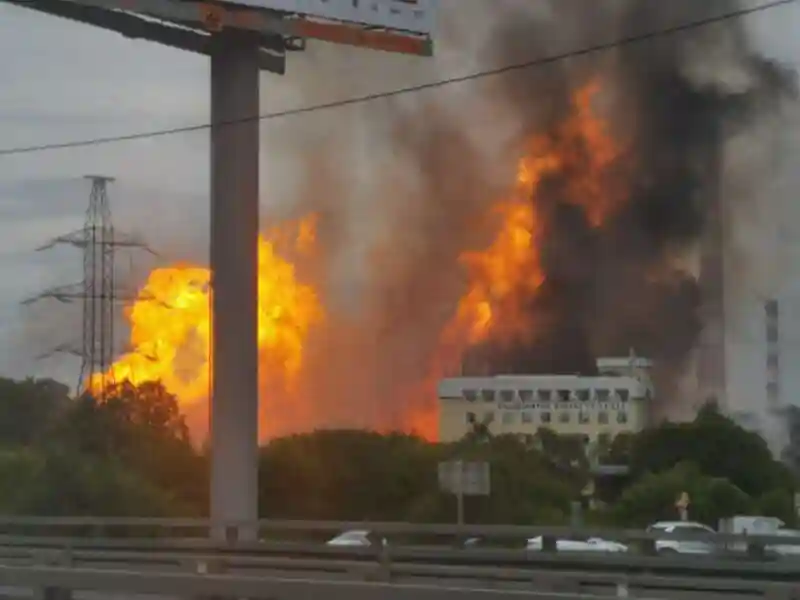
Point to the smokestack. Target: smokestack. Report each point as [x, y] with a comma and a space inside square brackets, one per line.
[773, 364]
[711, 349]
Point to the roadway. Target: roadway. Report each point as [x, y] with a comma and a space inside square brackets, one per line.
[156, 566]
[333, 575]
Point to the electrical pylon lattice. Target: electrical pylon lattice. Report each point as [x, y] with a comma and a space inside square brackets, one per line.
[98, 241]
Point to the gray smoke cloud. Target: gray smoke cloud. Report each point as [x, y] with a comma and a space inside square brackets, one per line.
[677, 101]
[406, 184]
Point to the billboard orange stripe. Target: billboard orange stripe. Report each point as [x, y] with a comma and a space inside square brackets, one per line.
[356, 35]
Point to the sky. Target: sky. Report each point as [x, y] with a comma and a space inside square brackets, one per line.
[63, 81]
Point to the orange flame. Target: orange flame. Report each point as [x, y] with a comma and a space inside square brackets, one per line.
[170, 323]
[505, 276]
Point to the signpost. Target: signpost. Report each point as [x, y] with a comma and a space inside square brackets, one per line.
[243, 37]
[464, 479]
[682, 504]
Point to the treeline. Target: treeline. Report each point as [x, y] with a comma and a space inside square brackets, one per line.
[131, 455]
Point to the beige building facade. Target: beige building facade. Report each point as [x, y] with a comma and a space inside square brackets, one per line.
[616, 401]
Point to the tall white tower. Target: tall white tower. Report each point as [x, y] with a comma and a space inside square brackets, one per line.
[773, 355]
[711, 351]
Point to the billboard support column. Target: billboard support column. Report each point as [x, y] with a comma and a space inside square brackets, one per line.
[234, 278]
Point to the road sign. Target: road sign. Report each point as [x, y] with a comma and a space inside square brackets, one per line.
[466, 478]
[682, 504]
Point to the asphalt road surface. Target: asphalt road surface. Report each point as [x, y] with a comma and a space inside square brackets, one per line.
[561, 586]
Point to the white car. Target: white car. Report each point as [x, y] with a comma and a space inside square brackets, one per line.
[579, 544]
[791, 548]
[352, 538]
[682, 546]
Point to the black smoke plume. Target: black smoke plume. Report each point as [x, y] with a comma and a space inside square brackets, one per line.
[433, 165]
[676, 102]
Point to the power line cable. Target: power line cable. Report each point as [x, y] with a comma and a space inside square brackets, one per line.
[540, 62]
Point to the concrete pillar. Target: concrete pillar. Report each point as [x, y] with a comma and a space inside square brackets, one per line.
[234, 277]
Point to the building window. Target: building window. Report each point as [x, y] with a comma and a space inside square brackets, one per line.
[772, 361]
[584, 418]
[772, 332]
[771, 308]
[564, 395]
[507, 396]
[543, 395]
[526, 396]
[546, 418]
[471, 418]
[470, 395]
[527, 417]
[622, 417]
[563, 417]
[602, 417]
[583, 395]
[624, 395]
[487, 395]
[601, 395]
[508, 418]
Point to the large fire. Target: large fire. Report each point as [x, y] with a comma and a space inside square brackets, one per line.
[170, 323]
[504, 277]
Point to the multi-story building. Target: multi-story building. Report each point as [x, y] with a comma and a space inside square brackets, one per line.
[762, 350]
[615, 401]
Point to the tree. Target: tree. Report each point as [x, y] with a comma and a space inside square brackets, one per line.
[19, 469]
[566, 452]
[142, 428]
[528, 485]
[131, 454]
[621, 449]
[778, 503]
[653, 498]
[27, 408]
[717, 446]
[69, 484]
[355, 475]
[349, 475]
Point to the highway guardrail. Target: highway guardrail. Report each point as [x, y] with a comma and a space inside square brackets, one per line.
[294, 556]
[441, 584]
[408, 543]
[195, 527]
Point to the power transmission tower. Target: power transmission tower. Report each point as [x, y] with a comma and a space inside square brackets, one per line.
[98, 241]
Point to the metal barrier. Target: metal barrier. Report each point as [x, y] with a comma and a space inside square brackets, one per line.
[51, 582]
[416, 553]
[202, 528]
[24, 547]
[58, 583]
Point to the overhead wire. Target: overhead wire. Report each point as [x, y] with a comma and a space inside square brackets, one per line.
[530, 64]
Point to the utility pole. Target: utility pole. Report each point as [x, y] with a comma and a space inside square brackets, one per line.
[234, 277]
[97, 291]
[242, 37]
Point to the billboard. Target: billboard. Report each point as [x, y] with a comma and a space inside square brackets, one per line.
[402, 26]
[415, 16]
